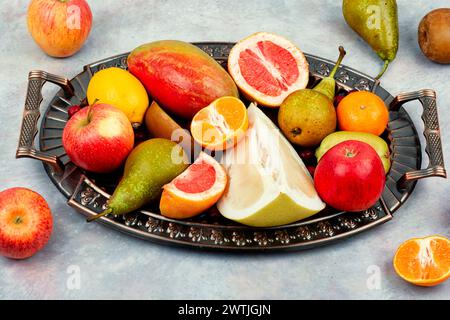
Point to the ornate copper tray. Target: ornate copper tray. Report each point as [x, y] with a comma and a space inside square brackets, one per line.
[88, 193]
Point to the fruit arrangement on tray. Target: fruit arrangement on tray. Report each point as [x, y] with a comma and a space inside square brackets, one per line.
[260, 138]
[211, 149]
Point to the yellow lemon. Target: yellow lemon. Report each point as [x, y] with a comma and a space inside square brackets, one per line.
[121, 89]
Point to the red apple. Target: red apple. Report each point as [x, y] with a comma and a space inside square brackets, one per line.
[59, 27]
[25, 223]
[350, 176]
[98, 138]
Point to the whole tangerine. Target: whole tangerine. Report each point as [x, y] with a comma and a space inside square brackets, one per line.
[362, 111]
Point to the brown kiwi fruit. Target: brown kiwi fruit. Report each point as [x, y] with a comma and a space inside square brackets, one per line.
[434, 35]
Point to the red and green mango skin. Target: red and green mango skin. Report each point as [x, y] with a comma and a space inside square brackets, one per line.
[179, 76]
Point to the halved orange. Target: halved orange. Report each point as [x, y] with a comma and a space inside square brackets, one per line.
[221, 125]
[424, 262]
[195, 190]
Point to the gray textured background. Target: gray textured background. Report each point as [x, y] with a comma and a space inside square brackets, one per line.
[113, 265]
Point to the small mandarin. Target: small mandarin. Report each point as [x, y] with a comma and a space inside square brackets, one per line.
[362, 111]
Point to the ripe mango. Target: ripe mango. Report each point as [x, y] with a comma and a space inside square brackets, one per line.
[181, 77]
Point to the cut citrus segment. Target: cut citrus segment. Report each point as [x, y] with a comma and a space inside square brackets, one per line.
[195, 190]
[220, 125]
[424, 262]
[267, 68]
[268, 184]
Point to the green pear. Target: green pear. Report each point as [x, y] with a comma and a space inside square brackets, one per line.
[307, 116]
[376, 21]
[377, 143]
[150, 166]
[327, 86]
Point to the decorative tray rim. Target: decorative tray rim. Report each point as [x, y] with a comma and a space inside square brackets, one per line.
[151, 226]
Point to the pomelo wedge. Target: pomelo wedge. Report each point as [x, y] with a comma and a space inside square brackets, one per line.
[267, 68]
[268, 183]
[195, 190]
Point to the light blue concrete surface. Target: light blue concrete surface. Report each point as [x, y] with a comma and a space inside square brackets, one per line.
[113, 265]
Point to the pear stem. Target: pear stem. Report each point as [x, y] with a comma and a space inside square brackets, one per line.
[342, 54]
[104, 213]
[386, 64]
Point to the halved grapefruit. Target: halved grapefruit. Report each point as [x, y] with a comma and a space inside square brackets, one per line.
[195, 190]
[267, 68]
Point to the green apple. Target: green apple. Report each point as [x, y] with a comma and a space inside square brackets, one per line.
[380, 146]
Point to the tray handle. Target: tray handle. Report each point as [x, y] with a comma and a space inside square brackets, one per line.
[436, 168]
[31, 115]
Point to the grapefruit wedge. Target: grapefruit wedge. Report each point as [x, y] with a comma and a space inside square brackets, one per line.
[268, 183]
[195, 190]
[267, 68]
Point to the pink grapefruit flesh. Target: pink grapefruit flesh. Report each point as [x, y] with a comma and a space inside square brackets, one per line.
[256, 72]
[201, 178]
[267, 68]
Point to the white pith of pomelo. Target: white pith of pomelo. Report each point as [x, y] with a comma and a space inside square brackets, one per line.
[268, 183]
[289, 54]
[216, 188]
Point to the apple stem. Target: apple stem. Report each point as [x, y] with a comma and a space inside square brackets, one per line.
[350, 153]
[89, 116]
[104, 213]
